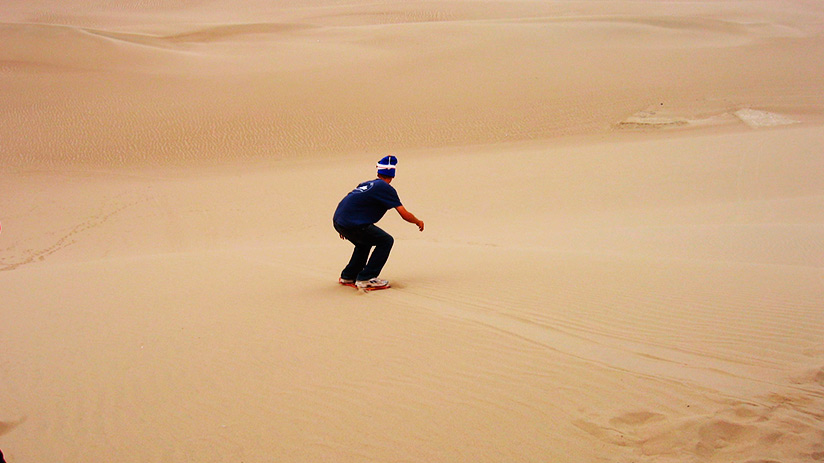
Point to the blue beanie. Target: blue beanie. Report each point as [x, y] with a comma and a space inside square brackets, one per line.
[386, 166]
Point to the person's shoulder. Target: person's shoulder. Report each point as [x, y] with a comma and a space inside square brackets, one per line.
[387, 189]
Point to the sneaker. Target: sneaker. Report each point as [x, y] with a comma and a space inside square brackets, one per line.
[346, 282]
[373, 283]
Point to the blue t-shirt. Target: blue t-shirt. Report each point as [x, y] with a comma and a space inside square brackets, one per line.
[366, 204]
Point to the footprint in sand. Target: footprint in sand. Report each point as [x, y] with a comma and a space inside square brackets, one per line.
[777, 428]
[636, 418]
[7, 426]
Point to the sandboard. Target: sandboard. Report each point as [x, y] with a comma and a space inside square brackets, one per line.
[374, 288]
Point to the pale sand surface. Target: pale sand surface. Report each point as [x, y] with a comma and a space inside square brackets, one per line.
[623, 256]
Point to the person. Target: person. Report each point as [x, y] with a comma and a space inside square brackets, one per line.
[355, 218]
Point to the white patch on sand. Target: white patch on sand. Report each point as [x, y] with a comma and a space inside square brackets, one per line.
[651, 119]
[655, 120]
[757, 119]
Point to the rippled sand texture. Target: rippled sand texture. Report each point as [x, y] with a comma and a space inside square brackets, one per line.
[622, 261]
[184, 81]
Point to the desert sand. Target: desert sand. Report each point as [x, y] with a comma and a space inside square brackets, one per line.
[623, 258]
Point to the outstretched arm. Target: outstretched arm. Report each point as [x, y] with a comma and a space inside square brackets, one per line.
[409, 217]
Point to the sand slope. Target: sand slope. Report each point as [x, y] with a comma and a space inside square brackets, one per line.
[622, 259]
[307, 77]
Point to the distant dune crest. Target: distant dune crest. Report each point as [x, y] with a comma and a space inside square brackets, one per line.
[208, 82]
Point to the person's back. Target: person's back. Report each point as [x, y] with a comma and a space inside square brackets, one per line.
[366, 204]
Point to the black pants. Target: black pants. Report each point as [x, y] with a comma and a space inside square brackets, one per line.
[362, 266]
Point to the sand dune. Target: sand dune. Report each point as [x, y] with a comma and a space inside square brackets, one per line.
[338, 78]
[624, 208]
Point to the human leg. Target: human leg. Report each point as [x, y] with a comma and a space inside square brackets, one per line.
[361, 265]
[356, 263]
[359, 255]
[383, 245]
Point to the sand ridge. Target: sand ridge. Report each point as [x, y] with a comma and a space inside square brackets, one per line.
[308, 78]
